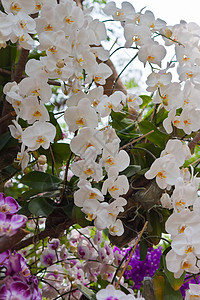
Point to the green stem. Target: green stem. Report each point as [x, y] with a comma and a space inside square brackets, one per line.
[132, 59]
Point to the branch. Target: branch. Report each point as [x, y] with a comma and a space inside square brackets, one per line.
[122, 273]
[136, 140]
[113, 80]
[56, 224]
[21, 65]
[51, 82]
[8, 242]
[9, 116]
[194, 142]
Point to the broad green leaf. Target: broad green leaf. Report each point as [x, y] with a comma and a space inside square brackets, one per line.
[146, 99]
[61, 152]
[129, 128]
[156, 231]
[176, 283]
[118, 120]
[80, 217]
[41, 181]
[86, 292]
[155, 150]
[126, 137]
[160, 115]
[28, 194]
[157, 137]
[159, 285]
[170, 293]
[143, 248]
[131, 170]
[24, 210]
[40, 207]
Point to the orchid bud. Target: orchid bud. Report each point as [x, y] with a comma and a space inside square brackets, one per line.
[42, 159]
[3, 44]
[60, 63]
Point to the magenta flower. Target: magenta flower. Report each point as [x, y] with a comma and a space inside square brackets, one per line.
[17, 265]
[53, 244]
[8, 205]
[4, 256]
[9, 224]
[18, 283]
[47, 258]
[17, 290]
[14, 288]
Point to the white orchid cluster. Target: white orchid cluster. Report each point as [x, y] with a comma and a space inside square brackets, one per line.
[71, 40]
[88, 144]
[141, 31]
[184, 223]
[181, 100]
[66, 33]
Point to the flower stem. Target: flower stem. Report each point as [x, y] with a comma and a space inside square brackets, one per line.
[140, 235]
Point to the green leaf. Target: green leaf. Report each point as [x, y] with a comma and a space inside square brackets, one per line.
[157, 137]
[175, 283]
[61, 152]
[146, 99]
[170, 293]
[143, 248]
[41, 181]
[163, 289]
[24, 210]
[40, 207]
[161, 115]
[80, 217]
[159, 285]
[131, 170]
[53, 120]
[86, 292]
[156, 230]
[28, 194]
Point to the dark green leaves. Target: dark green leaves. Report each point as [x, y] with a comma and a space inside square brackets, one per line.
[157, 137]
[131, 170]
[89, 294]
[143, 248]
[146, 100]
[40, 206]
[41, 181]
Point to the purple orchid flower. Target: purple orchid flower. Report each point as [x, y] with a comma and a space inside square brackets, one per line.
[17, 265]
[18, 289]
[48, 257]
[9, 224]
[4, 256]
[8, 205]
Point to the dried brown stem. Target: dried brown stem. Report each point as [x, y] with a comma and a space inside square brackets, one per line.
[9, 116]
[136, 140]
[122, 273]
[194, 142]
[21, 65]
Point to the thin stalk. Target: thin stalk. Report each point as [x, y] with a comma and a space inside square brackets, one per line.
[140, 235]
[132, 59]
[136, 140]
